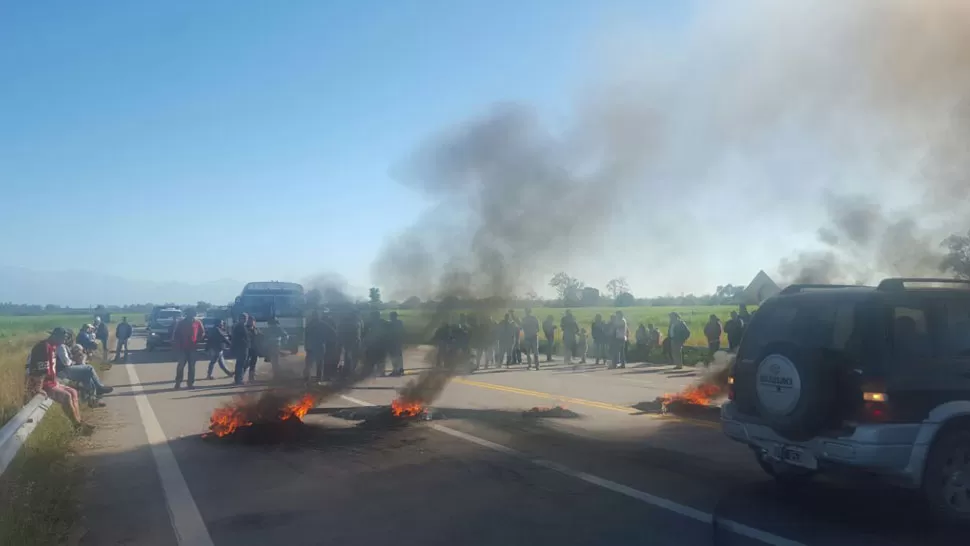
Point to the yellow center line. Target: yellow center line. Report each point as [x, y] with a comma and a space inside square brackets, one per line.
[582, 402]
[545, 395]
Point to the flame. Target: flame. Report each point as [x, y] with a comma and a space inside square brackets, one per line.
[244, 412]
[226, 420]
[403, 408]
[700, 395]
[299, 409]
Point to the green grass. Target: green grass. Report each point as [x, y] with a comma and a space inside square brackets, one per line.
[416, 322]
[39, 491]
[13, 326]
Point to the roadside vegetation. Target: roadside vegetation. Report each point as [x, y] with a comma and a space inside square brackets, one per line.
[39, 491]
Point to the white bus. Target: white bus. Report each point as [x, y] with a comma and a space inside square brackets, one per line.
[284, 300]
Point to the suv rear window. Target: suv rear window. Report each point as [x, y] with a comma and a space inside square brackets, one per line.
[808, 323]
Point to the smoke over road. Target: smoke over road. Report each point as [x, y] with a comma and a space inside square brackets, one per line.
[841, 118]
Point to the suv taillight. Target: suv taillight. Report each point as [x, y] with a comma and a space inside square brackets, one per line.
[730, 387]
[875, 407]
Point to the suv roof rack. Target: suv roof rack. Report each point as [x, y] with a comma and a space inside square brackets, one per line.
[796, 288]
[899, 283]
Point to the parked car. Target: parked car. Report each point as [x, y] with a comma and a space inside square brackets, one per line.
[860, 381]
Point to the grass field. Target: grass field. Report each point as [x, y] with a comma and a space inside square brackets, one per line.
[13, 326]
[417, 322]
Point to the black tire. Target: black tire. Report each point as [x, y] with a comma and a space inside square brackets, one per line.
[819, 387]
[946, 478]
[785, 475]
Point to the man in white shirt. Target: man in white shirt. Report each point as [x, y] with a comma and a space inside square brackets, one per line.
[76, 370]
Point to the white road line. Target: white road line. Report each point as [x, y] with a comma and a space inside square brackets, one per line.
[356, 401]
[660, 502]
[187, 522]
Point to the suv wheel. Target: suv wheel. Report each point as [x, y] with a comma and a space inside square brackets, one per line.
[785, 475]
[946, 483]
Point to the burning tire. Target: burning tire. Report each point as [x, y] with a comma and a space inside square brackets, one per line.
[795, 389]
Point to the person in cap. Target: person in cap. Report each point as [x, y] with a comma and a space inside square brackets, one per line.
[42, 370]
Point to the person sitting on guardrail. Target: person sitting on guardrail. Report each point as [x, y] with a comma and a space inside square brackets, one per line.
[85, 338]
[42, 366]
[72, 366]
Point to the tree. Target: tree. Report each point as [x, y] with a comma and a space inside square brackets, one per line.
[617, 286]
[590, 297]
[957, 259]
[202, 306]
[567, 287]
[625, 299]
[375, 295]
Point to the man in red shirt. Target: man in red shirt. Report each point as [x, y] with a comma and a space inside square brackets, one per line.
[185, 338]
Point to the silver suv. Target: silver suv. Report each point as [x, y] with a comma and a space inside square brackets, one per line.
[860, 380]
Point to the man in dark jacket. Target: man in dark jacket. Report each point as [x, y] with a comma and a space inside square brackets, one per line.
[374, 339]
[734, 328]
[241, 342]
[350, 334]
[530, 332]
[569, 330]
[549, 330]
[331, 343]
[600, 336]
[101, 334]
[316, 346]
[216, 341]
[123, 334]
[395, 344]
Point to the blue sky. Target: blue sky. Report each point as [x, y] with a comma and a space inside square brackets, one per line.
[193, 141]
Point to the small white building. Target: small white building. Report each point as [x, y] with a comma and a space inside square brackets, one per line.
[759, 289]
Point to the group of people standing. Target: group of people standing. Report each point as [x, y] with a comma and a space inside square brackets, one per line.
[338, 344]
[487, 342]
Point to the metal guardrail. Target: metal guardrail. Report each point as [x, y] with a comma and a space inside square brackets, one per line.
[15, 432]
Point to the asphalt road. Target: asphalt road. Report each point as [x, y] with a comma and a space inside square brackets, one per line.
[479, 472]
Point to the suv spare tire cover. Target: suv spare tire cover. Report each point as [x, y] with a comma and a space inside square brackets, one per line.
[778, 385]
[795, 389]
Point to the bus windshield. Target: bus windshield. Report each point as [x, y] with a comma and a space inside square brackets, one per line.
[262, 307]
